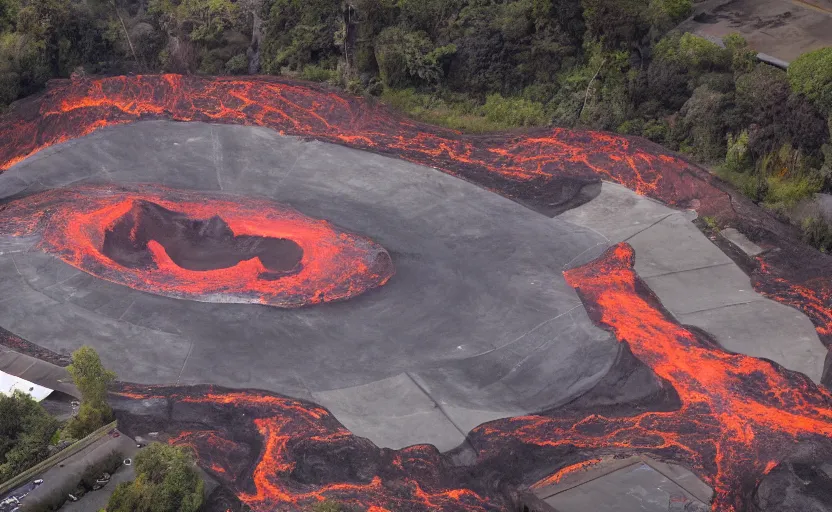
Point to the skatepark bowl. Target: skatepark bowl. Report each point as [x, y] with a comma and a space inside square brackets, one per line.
[326, 301]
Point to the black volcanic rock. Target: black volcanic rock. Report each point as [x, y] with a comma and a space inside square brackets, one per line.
[801, 484]
[192, 244]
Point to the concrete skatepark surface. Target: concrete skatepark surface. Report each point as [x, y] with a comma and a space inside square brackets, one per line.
[476, 344]
[506, 335]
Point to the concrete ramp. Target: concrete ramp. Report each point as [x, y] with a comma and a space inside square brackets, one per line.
[40, 373]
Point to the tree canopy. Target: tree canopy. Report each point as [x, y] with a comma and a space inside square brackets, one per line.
[91, 379]
[166, 481]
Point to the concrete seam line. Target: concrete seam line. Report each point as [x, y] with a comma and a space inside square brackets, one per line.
[690, 270]
[417, 381]
[650, 226]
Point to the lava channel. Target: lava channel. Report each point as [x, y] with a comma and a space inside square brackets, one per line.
[737, 416]
[199, 246]
[301, 455]
[538, 167]
[730, 418]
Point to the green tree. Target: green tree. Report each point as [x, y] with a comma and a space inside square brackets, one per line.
[617, 23]
[91, 379]
[811, 75]
[25, 431]
[301, 32]
[404, 57]
[166, 481]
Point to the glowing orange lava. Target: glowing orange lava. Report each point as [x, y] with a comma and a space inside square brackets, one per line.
[74, 223]
[736, 416]
[733, 418]
[737, 413]
[71, 109]
[293, 433]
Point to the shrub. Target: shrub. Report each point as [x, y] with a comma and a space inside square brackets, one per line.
[25, 431]
[738, 158]
[817, 232]
[703, 123]
[166, 481]
[315, 73]
[655, 130]
[109, 464]
[786, 192]
[811, 75]
[693, 52]
[237, 65]
[514, 112]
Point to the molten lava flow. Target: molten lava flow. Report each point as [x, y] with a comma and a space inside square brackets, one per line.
[732, 419]
[306, 456]
[738, 414]
[813, 296]
[248, 250]
[514, 165]
[558, 475]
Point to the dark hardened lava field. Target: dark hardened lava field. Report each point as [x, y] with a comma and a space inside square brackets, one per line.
[193, 244]
[756, 432]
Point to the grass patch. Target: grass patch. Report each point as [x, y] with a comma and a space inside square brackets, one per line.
[318, 74]
[787, 192]
[459, 112]
[776, 193]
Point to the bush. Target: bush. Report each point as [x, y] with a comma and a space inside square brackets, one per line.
[457, 112]
[318, 74]
[693, 52]
[811, 75]
[703, 123]
[237, 65]
[514, 112]
[785, 192]
[166, 481]
[25, 431]
[109, 464]
[817, 232]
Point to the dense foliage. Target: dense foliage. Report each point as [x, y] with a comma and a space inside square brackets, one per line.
[166, 481]
[475, 65]
[91, 379]
[25, 431]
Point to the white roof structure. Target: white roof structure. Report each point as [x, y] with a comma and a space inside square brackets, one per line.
[9, 384]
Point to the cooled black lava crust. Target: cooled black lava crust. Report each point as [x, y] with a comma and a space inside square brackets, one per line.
[193, 244]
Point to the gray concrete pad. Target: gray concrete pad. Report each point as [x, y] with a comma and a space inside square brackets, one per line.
[477, 323]
[604, 214]
[741, 241]
[765, 329]
[698, 283]
[704, 289]
[674, 244]
[394, 412]
[476, 274]
[637, 486]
